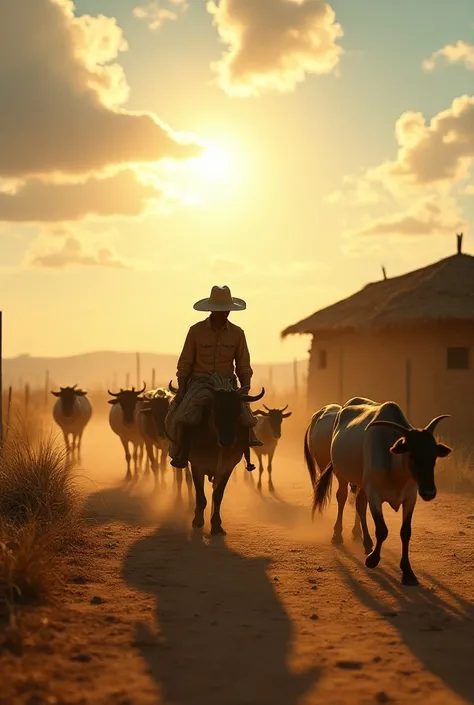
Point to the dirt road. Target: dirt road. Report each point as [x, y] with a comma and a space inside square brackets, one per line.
[270, 615]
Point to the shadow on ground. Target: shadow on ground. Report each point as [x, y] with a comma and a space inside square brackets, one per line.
[435, 623]
[222, 635]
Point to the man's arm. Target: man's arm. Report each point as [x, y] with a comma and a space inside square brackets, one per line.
[186, 362]
[243, 369]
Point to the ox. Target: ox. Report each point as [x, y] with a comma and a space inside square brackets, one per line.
[72, 412]
[375, 447]
[317, 452]
[268, 430]
[151, 417]
[216, 446]
[123, 422]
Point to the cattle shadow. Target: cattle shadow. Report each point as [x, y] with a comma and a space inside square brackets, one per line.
[138, 502]
[434, 622]
[274, 509]
[222, 636]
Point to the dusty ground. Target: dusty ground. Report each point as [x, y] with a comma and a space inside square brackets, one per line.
[270, 615]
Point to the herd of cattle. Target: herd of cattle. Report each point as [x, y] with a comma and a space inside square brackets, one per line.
[370, 447]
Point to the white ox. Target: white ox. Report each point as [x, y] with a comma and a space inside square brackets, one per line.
[72, 412]
[268, 430]
[375, 447]
[123, 422]
[317, 451]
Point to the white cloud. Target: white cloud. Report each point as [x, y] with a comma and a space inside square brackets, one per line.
[156, 15]
[34, 201]
[459, 53]
[273, 44]
[61, 89]
[72, 251]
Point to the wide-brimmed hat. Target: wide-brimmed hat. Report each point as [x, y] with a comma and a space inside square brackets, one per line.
[220, 300]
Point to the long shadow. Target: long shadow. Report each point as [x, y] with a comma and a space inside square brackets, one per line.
[277, 510]
[435, 623]
[222, 634]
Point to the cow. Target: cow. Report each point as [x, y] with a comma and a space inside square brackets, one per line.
[123, 422]
[268, 430]
[317, 453]
[151, 417]
[72, 412]
[375, 447]
[216, 446]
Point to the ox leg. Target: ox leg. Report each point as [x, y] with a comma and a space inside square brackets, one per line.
[201, 501]
[260, 470]
[178, 474]
[408, 576]
[79, 445]
[136, 455]
[270, 470]
[217, 495]
[151, 458]
[341, 496]
[189, 484]
[381, 531]
[361, 509]
[128, 457]
[163, 460]
[66, 442]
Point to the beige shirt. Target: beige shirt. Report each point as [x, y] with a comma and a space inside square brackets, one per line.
[206, 351]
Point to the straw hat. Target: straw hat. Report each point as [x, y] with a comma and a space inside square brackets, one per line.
[220, 300]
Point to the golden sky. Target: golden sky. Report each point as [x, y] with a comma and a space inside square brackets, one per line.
[287, 148]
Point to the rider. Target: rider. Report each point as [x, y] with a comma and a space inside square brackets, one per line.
[215, 351]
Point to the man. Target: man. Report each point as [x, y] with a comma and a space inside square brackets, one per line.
[215, 351]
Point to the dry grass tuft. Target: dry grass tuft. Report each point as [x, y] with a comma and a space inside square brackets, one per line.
[456, 473]
[39, 520]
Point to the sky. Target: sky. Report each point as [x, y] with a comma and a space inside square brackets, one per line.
[286, 148]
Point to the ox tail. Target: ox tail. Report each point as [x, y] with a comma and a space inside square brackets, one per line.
[310, 464]
[322, 489]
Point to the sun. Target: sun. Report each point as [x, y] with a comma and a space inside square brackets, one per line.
[216, 163]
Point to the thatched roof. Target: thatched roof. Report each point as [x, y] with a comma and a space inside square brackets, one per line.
[443, 291]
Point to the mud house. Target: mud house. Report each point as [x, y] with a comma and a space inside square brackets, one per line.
[409, 339]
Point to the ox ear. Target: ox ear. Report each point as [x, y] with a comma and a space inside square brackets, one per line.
[80, 393]
[112, 401]
[443, 450]
[399, 447]
[285, 416]
[56, 394]
[259, 412]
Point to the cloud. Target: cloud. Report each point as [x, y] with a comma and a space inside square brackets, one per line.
[224, 267]
[459, 53]
[356, 192]
[61, 90]
[121, 194]
[273, 44]
[73, 253]
[438, 151]
[426, 218]
[155, 15]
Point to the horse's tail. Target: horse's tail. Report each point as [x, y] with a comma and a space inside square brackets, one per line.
[310, 463]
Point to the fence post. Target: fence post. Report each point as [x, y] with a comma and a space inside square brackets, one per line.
[27, 397]
[46, 388]
[139, 384]
[153, 378]
[127, 380]
[1, 380]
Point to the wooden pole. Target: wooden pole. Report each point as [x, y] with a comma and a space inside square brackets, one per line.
[153, 378]
[138, 371]
[1, 380]
[295, 377]
[46, 388]
[341, 377]
[127, 380]
[27, 397]
[408, 387]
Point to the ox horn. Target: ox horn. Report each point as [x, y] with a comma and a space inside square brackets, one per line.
[284, 408]
[391, 424]
[265, 407]
[172, 388]
[141, 390]
[257, 397]
[113, 394]
[432, 424]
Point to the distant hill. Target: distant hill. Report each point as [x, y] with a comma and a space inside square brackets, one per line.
[109, 369]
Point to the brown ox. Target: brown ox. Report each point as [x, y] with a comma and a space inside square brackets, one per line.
[216, 446]
[268, 430]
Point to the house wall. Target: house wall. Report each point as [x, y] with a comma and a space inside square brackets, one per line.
[407, 366]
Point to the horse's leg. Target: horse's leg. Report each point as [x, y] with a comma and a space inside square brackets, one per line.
[217, 495]
[341, 496]
[201, 501]
[128, 457]
[178, 473]
[361, 508]
[189, 483]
